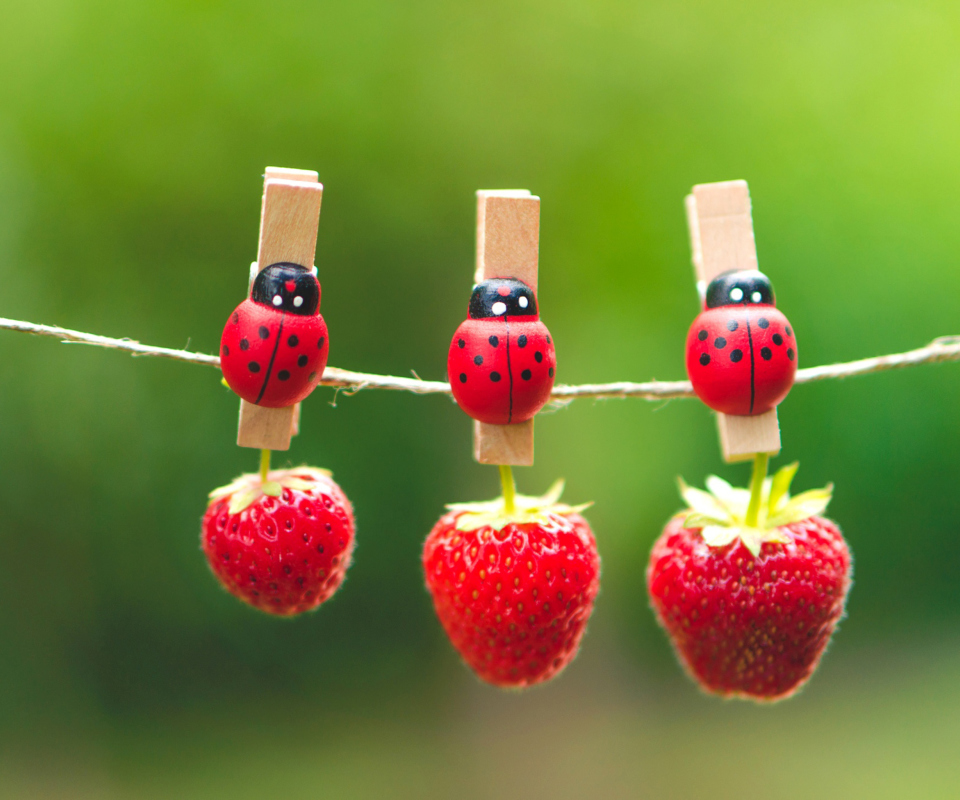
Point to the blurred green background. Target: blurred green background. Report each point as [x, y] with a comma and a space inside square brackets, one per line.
[133, 137]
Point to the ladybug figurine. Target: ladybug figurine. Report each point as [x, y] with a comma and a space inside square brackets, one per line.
[741, 351]
[501, 363]
[274, 346]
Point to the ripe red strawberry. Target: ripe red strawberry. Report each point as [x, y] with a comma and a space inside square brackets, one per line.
[750, 609]
[513, 590]
[281, 545]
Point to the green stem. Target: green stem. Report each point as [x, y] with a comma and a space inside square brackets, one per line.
[264, 465]
[756, 488]
[509, 488]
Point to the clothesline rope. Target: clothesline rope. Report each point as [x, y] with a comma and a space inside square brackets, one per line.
[944, 348]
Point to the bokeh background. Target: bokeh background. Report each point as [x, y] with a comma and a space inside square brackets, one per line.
[133, 137]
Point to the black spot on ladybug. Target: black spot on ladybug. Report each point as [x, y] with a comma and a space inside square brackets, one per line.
[777, 339]
[494, 341]
[320, 343]
[311, 376]
[526, 374]
[538, 356]
[736, 355]
[478, 360]
[495, 376]
[302, 361]
[763, 322]
[253, 366]
[732, 325]
[244, 344]
[702, 336]
[522, 341]
[236, 317]
[548, 339]
[292, 340]
[704, 359]
[463, 377]
[226, 350]
[719, 343]
[283, 375]
[550, 372]
[788, 331]
[461, 344]
[264, 332]
[790, 353]
[766, 353]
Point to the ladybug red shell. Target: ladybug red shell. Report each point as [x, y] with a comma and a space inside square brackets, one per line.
[502, 363]
[274, 346]
[741, 350]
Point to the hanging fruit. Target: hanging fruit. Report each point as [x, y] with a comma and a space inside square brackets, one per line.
[750, 585]
[283, 543]
[513, 582]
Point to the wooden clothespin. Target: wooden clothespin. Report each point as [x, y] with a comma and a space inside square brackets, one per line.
[502, 360]
[289, 219]
[721, 239]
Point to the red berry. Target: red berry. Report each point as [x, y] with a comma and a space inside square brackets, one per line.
[745, 625]
[515, 599]
[282, 546]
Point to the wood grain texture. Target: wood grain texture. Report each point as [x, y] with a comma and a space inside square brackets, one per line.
[288, 174]
[503, 444]
[508, 235]
[721, 239]
[508, 246]
[289, 218]
[742, 437]
[724, 229]
[265, 428]
[288, 222]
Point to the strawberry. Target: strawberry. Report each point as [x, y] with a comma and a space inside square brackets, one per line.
[513, 582]
[282, 545]
[750, 608]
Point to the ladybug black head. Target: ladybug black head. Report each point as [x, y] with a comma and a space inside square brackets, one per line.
[287, 287]
[740, 287]
[502, 297]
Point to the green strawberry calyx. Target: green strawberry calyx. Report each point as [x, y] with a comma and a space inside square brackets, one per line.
[245, 490]
[494, 514]
[721, 511]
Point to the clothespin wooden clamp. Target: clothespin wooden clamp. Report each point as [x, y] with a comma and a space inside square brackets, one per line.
[289, 220]
[741, 351]
[502, 361]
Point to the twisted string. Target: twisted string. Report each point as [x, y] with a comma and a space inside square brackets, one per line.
[944, 348]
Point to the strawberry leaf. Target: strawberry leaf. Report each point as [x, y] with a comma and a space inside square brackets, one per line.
[703, 502]
[493, 514]
[721, 511]
[803, 506]
[780, 486]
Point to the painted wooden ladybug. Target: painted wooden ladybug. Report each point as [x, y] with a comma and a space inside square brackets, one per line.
[501, 363]
[741, 351]
[274, 346]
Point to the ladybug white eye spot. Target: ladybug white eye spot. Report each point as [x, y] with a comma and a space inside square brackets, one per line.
[736, 294]
[756, 297]
[277, 299]
[498, 308]
[298, 301]
[523, 302]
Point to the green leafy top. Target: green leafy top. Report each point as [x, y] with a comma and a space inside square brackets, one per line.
[494, 514]
[248, 488]
[721, 511]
